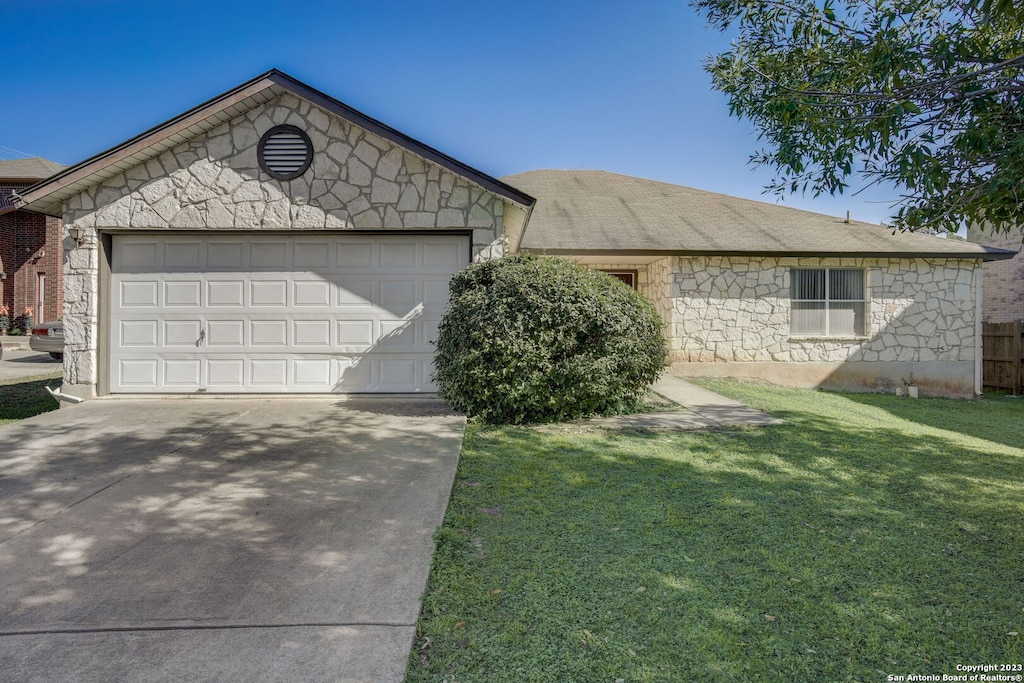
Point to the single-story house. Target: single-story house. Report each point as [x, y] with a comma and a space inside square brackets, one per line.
[755, 290]
[31, 253]
[274, 239]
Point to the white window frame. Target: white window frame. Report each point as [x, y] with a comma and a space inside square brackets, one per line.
[828, 300]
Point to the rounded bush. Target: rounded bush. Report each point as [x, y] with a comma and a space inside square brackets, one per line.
[540, 339]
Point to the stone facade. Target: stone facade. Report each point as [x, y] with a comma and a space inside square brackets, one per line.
[920, 320]
[357, 181]
[1003, 289]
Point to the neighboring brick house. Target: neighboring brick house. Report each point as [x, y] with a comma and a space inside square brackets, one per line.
[1003, 288]
[31, 255]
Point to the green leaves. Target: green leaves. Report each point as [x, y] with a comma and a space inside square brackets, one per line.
[536, 339]
[927, 97]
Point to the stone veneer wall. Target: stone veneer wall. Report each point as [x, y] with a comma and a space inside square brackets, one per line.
[737, 310]
[357, 181]
[1002, 293]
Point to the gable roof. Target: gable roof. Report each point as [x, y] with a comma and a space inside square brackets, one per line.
[33, 168]
[602, 213]
[48, 196]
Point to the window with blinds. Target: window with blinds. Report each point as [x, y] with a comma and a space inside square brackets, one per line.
[827, 302]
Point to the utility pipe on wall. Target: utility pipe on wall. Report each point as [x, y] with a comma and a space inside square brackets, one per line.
[979, 347]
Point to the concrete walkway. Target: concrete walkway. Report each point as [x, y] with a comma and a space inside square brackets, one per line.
[702, 409]
[10, 343]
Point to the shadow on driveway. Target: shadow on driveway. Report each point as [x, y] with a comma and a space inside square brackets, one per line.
[219, 539]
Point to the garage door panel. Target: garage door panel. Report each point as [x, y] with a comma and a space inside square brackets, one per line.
[226, 333]
[183, 255]
[355, 291]
[305, 313]
[268, 373]
[435, 294]
[312, 373]
[225, 293]
[355, 374]
[311, 333]
[223, 255]
[270, 255]
[139, 294]
[182, 372]
[397, 255]
[226, 373]
[443, 257]
[268, 333]
[398, 335]
[400, 296]
[182, 332]
[138, 372]
[139, 333]
[396, 373]
[314, 293]
[355, 333]
[186, 293]
[317, 255]
[357, 255]
[268, 293]
[137, 256]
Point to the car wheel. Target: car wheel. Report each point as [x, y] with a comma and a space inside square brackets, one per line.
[58, 356]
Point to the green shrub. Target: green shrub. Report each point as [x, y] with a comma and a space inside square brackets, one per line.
[539, 339]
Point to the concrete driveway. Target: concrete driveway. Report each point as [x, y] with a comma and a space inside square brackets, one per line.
[233, 540]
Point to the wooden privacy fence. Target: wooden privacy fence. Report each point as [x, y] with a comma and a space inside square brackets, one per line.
[1002, 348]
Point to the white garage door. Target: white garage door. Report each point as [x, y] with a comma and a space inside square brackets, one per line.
[278, 313]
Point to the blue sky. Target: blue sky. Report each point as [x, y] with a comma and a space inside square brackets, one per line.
[505, 87]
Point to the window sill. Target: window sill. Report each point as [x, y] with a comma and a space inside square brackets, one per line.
[823, 338]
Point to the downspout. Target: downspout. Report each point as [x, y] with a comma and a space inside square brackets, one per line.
[979, 348]
[61, 396]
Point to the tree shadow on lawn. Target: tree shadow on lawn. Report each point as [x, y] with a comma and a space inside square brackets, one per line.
[995, 417]
[815, 550]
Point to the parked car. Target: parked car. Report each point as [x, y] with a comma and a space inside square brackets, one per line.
[48, 338]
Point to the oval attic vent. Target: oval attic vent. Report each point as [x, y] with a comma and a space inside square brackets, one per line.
[285, 152]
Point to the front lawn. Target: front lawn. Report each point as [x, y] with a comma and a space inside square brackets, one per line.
[25, 397]
[870, 535]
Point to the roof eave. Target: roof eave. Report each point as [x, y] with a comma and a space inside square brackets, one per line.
[21, 179]
[371, 124]
[91, 171]
[989, 254]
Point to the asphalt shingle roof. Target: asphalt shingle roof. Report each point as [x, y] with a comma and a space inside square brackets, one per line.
[33, 168]
[597, 212]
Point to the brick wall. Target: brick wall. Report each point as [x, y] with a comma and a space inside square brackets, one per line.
[1003, 287]
[30, 247]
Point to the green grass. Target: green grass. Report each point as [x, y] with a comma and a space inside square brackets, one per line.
[870, 535]
[25, 397]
